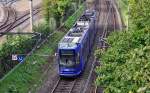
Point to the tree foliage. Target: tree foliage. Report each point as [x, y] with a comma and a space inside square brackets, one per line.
[46, 11]
[14, 45]
[125, 66]
[55, 8]
[59, 9]
[140, 12]
[19, 44]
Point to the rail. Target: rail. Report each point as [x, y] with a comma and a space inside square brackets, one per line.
[8, 26]
[62, 84]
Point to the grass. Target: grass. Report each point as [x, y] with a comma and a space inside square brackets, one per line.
[28, 75]
[22, 79]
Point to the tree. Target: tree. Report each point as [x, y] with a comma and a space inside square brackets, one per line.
[58, 8]
[125, 67]
[46, 11]
[139, 12]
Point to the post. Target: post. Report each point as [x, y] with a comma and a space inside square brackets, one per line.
[128, 16]
[31, 15]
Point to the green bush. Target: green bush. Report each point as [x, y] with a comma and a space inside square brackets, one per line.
[46, 12]
[43, 28]
[56, 9]
[139, 13]
[19, 44]
[125, 66]
[14, 45]
[29, 73]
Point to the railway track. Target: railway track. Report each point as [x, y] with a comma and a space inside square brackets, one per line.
[13, 20]
[109, 24]
[107, 21]
[64, 85]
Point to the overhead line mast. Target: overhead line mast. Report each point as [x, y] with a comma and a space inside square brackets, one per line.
[31, 15]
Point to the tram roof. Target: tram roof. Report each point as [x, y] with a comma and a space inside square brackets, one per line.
[76, 34]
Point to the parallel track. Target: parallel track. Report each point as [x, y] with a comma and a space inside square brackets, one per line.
[106, 23]
[109, 25]
[13, 20]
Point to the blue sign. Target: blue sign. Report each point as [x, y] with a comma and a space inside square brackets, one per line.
[20, 58]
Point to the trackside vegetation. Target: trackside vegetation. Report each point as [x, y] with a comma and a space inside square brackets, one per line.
[123, 8]
[14, 45]
[59, 9]
[125, 66]
[27, 75]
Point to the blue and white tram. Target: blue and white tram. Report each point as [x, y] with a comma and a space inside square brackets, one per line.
[76, 45]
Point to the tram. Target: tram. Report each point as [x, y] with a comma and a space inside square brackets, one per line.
[75, 47]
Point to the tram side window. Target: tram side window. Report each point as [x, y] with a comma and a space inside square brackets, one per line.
[86, 44]
[78, 58]
[83, 51]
